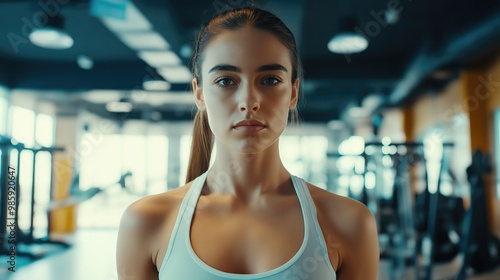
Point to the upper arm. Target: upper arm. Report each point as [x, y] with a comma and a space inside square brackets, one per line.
[361, 257]
[133, 250]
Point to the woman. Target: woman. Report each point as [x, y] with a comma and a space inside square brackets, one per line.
[245, 217]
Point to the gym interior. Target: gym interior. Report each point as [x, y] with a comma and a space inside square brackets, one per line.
[400, 109]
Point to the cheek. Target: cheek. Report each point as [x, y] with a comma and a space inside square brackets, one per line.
[218, 114]
[278, 116]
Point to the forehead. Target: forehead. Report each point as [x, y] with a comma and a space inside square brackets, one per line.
[246, 48]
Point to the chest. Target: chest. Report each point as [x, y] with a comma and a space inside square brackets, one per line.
[247, 243]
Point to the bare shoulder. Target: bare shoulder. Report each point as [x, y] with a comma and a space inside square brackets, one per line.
[347, 216]
[140, 223]
[150, 211]
[353, 230]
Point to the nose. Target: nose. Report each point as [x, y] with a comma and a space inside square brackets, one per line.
[248, 99]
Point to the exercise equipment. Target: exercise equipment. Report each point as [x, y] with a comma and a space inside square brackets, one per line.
[25, 238]
[480, 247]
[7, 144]
[430, 244]
[396, 213]
[423, 227]
[78, 196]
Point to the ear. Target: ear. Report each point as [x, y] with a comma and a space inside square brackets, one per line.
[198, 95]
[295, 94]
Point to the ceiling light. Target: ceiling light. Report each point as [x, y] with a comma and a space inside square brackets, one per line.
[159, 58]
[134, 20]
[175, 98]
[148, 40]
[51, 38]
[179, 74]
[186, 50]
[101, 96]
[51, 35]
[346, 41]
[156, 85]
[122, 106]
[85, 62]
[392, 16]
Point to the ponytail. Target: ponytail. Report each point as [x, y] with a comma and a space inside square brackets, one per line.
[201, 146]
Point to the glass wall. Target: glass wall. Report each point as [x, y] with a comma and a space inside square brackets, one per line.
[106, 162]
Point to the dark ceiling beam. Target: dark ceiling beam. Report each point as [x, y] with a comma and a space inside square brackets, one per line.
[120, 75]
[8, 71]
[4, 80]
[160, 14]
[340, 69]
[471, 42]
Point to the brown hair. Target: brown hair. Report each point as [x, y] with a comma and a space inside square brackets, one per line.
[202, 142]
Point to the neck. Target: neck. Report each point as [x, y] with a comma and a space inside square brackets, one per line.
[247, 176]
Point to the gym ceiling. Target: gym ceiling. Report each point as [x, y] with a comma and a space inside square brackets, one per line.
[424, 47]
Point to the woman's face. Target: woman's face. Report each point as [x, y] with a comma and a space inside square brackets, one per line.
[246, 75]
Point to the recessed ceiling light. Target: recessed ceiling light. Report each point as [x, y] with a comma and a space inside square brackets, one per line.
[101, 96]
[179, 74]
[149, 40]
[51, 38]
[347, 43]
[186, 50]
[159, 58]
[134, 21]
[156, 85]
[122, 106]
[85, 62]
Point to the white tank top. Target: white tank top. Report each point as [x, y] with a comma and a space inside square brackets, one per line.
[310, 262]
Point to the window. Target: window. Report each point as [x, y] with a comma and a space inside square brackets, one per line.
[44, 130]
[23, 125]
[104, 159]
[305, 156]
[23, 130]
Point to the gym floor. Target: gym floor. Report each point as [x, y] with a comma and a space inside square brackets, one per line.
[93, 257]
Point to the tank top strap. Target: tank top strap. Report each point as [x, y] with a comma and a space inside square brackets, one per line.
[193, 195]
[303, 191]
[186, 211]
[303, 195]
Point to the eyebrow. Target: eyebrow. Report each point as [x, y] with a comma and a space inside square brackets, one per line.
[263, 68]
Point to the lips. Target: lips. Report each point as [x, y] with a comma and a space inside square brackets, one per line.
[249, 126]
[249, 123]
